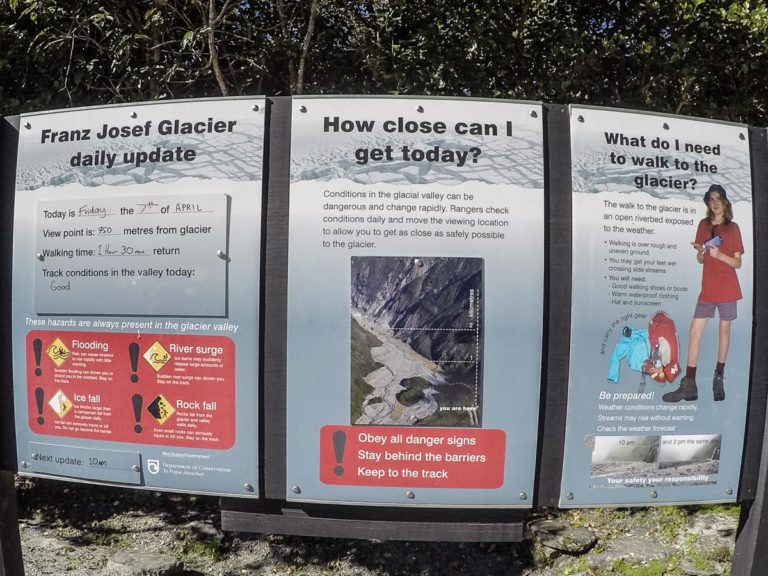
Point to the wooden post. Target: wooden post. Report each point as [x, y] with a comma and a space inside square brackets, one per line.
[11, 563]
[557, 305]
[751, 554]
[10, 542]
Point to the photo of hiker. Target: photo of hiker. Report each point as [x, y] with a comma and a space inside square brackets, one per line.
[719, 249]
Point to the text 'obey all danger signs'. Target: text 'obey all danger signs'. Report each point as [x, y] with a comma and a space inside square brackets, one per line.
[412, 457]
[154, 389]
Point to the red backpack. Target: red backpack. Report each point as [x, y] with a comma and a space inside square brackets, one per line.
[663, 363]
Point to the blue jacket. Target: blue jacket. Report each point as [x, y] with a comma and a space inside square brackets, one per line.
[636, 349]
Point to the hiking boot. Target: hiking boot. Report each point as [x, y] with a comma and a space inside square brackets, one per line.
[717, 386]
[686, 391]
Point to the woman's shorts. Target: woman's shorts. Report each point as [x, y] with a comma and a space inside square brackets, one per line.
[726, 310]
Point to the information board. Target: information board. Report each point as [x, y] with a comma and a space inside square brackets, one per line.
[176, 242]
[415, 282]
[135, 294]
[652, 416]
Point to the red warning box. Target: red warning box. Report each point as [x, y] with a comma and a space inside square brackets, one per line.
[167, 389]
[412, 457]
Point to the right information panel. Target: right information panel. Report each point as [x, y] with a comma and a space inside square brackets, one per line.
[662, 309]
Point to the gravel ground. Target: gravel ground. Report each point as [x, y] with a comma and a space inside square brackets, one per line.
[75, 529]
[83, 530]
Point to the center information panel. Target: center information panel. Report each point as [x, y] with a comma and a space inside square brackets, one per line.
[414, 301]
[135, 317]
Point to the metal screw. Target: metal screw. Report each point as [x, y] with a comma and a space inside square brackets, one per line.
[653, 494]
[302, 108]
[418, 262]
[295, 489]
[221, 254]
[533, 114]
[255, 107]
[569, 496]
[27, 125]
[741, 136]
[35, 456]
[580, 118]
[419, 108]
[729, 491]
[410, 495]
[136, 468]
[40, 257]
[24, 464]
[665, 126]
[523, 496]
[134, 115]
[248, 487]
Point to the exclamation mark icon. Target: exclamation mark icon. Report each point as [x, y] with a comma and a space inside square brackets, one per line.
[339, 443]
[37, 348]
[39, 399]
[133, 352]
[137, 402]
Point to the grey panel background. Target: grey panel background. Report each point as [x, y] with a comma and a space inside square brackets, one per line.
[512, 399]
[557, 328]
[228, 158]
[749, 555]
[591, 314]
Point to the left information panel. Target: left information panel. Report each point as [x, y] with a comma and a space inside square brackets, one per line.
[135, 295]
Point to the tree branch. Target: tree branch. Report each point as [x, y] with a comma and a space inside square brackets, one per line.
[218, 74]
[313, 8]
[292, 76]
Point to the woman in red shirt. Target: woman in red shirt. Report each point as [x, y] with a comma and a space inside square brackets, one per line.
[718, 248]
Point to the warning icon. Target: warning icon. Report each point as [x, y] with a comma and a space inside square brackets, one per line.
[60, 404]
[156, 356]
[58, 352]
[160, 409]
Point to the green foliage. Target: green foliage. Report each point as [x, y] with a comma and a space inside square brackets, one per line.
[666, 524]
[672, 520]
[730, 510]
[104, 51]
[691, 57]
[577, 566]
[654, 568]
